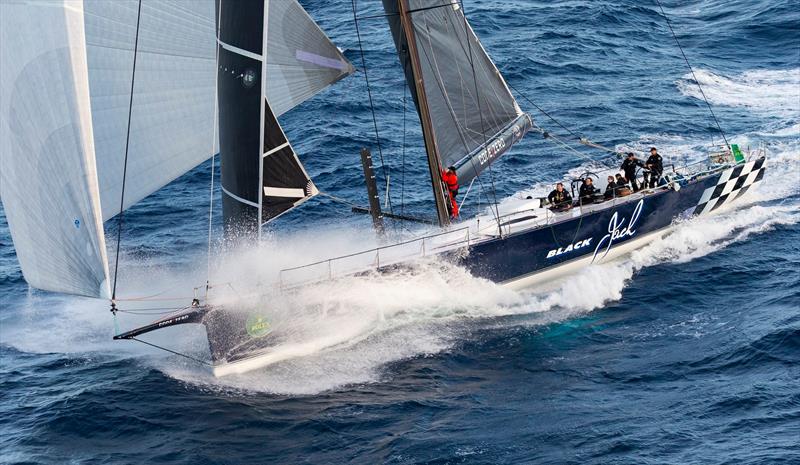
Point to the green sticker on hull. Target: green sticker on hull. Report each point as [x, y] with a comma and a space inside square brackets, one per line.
[257, 326]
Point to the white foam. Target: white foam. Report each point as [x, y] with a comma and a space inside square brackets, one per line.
[772, 91]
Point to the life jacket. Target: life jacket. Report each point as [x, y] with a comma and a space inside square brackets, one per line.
[451, 180]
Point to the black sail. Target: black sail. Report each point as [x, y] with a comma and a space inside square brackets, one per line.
[474, 117]
[285, 183]
[271, 57]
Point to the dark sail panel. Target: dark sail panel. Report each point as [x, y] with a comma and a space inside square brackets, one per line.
[285, 182]
[241, 24]
[239, 92]
[474, 117]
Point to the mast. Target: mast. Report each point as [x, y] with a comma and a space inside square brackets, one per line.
[425, 118]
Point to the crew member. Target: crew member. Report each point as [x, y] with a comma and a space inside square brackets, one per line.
[623, 188]
[450, 178]
[587, 191]
[629, 167]
[656, 167]
[610, 188]
[559, 198]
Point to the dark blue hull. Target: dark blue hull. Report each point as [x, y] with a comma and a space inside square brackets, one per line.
[593, 235]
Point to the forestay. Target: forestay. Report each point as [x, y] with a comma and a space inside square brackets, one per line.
[262, 177]
[473, 116]
[48, 181]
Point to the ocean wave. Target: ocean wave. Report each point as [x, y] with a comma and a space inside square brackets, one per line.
[771, 91]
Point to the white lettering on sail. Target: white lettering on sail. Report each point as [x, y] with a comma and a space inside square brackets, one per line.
[491, 151]
[617, 230]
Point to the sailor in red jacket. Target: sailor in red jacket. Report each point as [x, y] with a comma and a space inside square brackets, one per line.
[450, 179]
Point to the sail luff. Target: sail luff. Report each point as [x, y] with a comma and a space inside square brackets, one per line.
[434, 159]
[77, 45]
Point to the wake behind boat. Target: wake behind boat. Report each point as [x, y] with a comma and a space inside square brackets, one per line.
[262, 59]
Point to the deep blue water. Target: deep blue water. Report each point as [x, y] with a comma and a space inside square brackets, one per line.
[686, 352]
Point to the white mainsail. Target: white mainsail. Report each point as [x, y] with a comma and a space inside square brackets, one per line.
[48, 181]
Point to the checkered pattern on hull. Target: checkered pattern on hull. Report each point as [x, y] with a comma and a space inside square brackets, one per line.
[732, 184]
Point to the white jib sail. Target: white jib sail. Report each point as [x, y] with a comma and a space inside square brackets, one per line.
[172, 118]
[48, 181]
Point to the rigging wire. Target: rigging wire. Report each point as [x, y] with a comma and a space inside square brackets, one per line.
[121, 215]
[403, 156]
[369, 94]
[213, 154]
[337, 199]
[557, 140]
[524, 97]
[203, 362]
[674, 36]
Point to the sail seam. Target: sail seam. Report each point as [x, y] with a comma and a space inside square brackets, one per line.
[294, 205]
[236, 197]
[240, 51]
[276, 149]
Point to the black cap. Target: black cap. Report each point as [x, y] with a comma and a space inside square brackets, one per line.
[653, 149]
[451, 168]
[630, 154]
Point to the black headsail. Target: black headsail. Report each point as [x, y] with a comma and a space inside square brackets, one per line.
[469, 117]
[262, 177]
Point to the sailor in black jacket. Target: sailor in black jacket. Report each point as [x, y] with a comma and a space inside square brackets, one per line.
[656, 167]
[611, 187]
[629, 167]
[560, 198]
[587, 191]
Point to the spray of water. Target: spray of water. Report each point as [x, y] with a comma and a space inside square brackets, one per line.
[348, 329]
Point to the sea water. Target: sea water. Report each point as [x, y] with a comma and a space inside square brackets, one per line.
[687, 351]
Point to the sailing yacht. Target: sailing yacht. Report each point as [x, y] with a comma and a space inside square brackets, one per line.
[250, 62]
